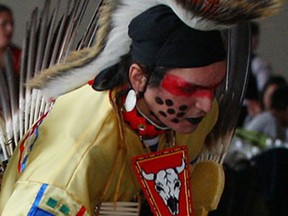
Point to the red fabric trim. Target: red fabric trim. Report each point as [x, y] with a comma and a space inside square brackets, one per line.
[81, 211]
[22, 144]
[90, 82]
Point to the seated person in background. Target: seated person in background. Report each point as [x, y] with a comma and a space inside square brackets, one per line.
[272, 84]
[274, 122]
[255, 106]
[260, 71]
[251, 133]
[6, 34]
[251, 106]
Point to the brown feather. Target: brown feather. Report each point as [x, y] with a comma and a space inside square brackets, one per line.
[79, 58]
[229, 12]
[230, 96]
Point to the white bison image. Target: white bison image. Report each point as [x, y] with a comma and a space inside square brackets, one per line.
[167, 184]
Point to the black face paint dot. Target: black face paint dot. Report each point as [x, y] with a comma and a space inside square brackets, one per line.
[163, 113]
[183, 107]
[159, 101]
[180, 114]
[169, 102]
[175, 120]
[171, 111]
[152, 113]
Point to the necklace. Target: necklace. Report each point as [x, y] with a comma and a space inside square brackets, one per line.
[142, 125]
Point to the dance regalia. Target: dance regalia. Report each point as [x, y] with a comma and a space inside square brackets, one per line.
[80, 157]
[79, 141]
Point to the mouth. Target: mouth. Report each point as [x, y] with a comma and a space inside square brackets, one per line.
[194, 120]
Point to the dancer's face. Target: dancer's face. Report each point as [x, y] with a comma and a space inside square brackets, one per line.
[185, 96]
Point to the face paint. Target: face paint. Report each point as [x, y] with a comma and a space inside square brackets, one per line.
[169, 102]
[159, 101]
[194, 120]
[180, 87]
[175, 120]
[183, 107]
[180, 114]
[171, 111]
[163, 113]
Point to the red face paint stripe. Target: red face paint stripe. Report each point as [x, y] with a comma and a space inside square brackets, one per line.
[180, 87]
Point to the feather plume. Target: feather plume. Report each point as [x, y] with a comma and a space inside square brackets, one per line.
[81, 57]
[225, 12]
[112, 40]
[6, 116]
[12, 83]
[89, 35]
[231, 95]
[46, 33]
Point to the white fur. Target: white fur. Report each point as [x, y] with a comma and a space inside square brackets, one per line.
[118, 43]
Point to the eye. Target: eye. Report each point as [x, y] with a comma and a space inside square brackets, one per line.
[188, 89]
[158, 188]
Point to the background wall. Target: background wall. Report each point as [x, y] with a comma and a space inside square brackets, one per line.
[274, 40]
[274, 31]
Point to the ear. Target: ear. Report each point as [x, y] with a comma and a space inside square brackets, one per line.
[137, 78]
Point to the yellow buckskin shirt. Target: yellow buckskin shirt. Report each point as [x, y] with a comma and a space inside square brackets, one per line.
[64, 165]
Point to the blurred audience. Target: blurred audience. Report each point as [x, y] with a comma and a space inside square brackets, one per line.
[259, 72]
[263, 129]
[255, 177]
[273, 83]
[6, 34]
[256, 181]
[257, 106]
[273, 122]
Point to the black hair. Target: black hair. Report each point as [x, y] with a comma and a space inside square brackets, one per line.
[118, 74]
[279, 98]
[4, 8]
[273, 80]
[278, 80]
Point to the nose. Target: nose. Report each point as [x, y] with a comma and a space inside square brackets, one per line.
[204, 103]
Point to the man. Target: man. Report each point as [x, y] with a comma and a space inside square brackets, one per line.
[6, 33]
[176, 100]
[160, 95]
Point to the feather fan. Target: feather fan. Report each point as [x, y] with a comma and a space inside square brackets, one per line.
[48, 39]
[230, 95]
[9, 105]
